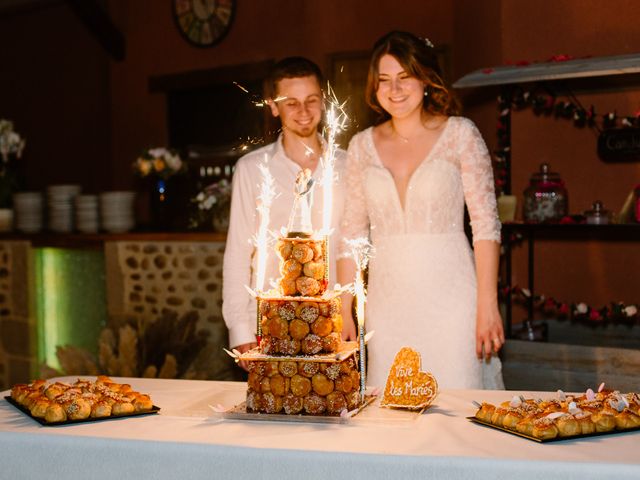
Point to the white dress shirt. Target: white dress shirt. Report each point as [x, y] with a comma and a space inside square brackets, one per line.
[238, 308]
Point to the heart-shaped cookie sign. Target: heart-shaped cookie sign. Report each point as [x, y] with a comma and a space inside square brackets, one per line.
[407, 386]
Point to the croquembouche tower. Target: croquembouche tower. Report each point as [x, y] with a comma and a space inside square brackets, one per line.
[302, 366]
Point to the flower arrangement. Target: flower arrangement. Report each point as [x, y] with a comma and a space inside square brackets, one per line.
[161, 162]
[10, 141]
[212, 204]
[614, 312]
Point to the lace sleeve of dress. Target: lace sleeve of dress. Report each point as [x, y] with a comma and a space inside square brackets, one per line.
[354, 222]
[477, 182]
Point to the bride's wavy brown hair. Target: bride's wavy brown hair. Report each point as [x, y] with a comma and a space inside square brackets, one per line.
[418, 58]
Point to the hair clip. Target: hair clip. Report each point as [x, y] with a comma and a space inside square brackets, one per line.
[428, 42]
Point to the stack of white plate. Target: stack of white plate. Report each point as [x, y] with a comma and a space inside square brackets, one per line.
[27, 207]
[60, 203]
[116, 211]
[87, 213]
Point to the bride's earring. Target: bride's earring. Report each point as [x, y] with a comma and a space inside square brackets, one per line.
[426, 92]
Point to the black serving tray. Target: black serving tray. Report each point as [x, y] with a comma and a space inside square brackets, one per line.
[557, 439]
[43, 422]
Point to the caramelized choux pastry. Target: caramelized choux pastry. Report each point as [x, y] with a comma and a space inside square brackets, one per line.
[308, 369]
[279, 385]
[298, 329]
[322, 327]
[288, 369]
[344, 384]
[284, 249]
[291, 269]
[302, 252]
[311, 344]
[55, 413]
[314, 270]
[101, 409]
[544, 429]
[278, 327]
[271, 403]
[314, 404]
[122, 408]
[292, 404]
[336, 402]
[331, 343]
[287, 310]
[307, 311]
[300, 386]
[321, 384]
[307, 286]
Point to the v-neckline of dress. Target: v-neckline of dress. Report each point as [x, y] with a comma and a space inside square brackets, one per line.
[425, 160]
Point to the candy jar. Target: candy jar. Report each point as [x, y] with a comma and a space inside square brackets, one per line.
[598, 215]
[545, 199]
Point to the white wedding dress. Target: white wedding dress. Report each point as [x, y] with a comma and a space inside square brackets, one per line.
[422, 281]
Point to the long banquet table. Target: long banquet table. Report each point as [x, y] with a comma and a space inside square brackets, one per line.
[188, 440]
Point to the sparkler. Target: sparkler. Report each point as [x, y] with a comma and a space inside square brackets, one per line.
[361, 250]
[335, 122]
[261, 238]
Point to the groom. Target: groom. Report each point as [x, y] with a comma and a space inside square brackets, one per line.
[294, 95]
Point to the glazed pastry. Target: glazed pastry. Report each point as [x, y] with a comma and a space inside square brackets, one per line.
[298, 329]
[254, 401]
[584, 420]
[353, 399]
[512, 418]
[318, 250]
[336, 402]
[122, 408]
[627, 419]
[485, 412]
[278, 327]
[287, 287]
[101, 409]
[302, 253]
[544, 429]
[344, 384]
[321, 384]
[39, 407]
[279, 385]
[331, 370]
[322, 327]
[337, 323]
[314, 404]
[311, 344]
[308, 369]
[55, 413]
[331, 343]
[313, 270]
[498, 416]
[567, 425]
[271, 403]
[288, 369]
[253, 381]
[300, 386]
[78, 409]
[292, 404]
[142, 403]
[291, 269]
[603, 421]
[287, 311]
[307, 286]
[265, 385]
[271, 369]
[284, 249]
[289, 346]
[307, 311]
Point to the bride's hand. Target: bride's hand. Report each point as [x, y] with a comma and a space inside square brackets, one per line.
[348, 327]
[489, 331]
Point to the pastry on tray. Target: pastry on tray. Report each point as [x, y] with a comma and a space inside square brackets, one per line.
[84, 399]
[565, 416]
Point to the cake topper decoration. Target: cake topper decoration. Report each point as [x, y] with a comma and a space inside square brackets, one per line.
[300, 218]
[407, 386]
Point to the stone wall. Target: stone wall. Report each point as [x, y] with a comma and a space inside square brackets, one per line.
[150, 280]
[17, 316]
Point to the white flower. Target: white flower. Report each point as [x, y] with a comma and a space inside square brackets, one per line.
[630, 310]
[158, 152]
[173, 162]
[581, 308]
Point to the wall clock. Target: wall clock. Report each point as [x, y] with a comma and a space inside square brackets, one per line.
[203, 23]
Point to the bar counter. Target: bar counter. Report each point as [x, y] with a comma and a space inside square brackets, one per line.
[187, 440]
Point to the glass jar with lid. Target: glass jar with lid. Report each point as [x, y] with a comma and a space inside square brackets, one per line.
[598, 215]
[546, 198]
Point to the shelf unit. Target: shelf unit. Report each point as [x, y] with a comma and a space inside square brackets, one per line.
[619, 71]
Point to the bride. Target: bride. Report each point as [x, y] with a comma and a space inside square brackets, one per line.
[409, 178]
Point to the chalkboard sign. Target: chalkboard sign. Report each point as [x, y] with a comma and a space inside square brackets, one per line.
[619, 144]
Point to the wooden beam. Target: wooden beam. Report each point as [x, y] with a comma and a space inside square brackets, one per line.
[99, 24]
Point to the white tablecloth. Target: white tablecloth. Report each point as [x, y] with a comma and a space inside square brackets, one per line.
[186, 440]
